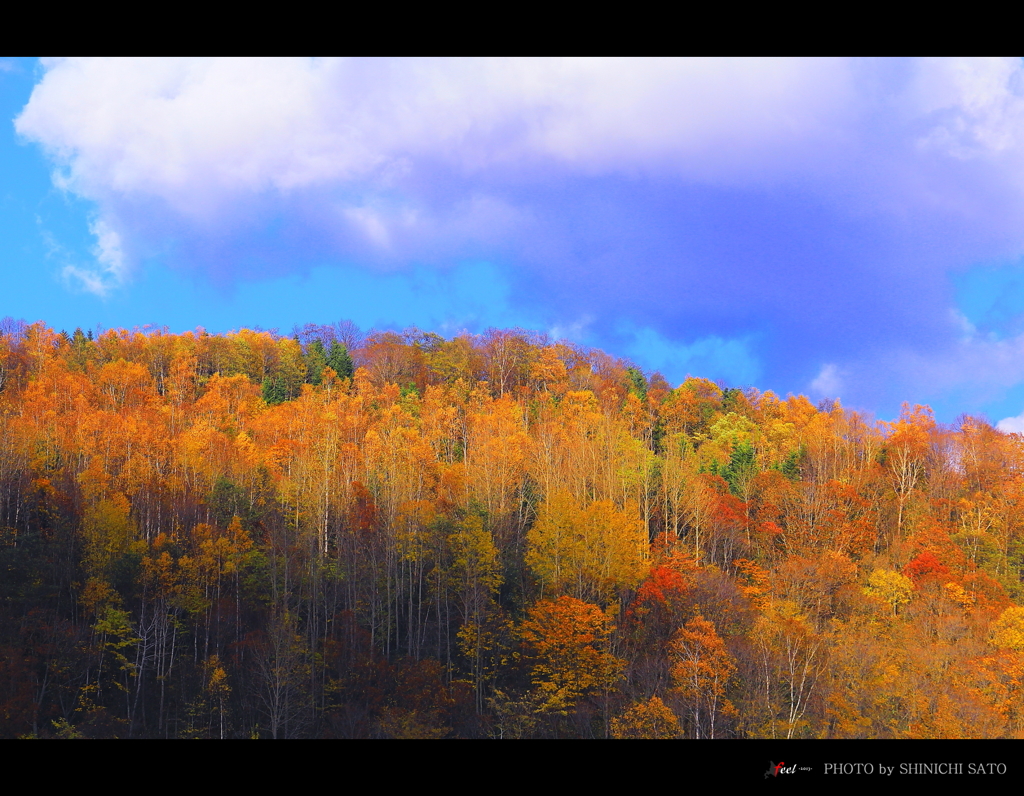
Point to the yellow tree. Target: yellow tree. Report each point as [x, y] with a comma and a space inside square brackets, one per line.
[592, 552]
[567, 640]
[892, 588]
[906, 450]
[454, 359]
[647, 720]
[701, 495]
[701, 671]
[110, 536]
[548, 372]
[496, 452]
[478, 569]
[791, 659]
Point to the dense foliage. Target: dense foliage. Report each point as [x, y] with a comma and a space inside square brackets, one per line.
[400, 535]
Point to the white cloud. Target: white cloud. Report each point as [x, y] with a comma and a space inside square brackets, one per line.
[828, 382]
[981, 363]
[1012, 425]
[198, 133]
[732, 360]
[976, 104]
[371, 224]
[575, 330]
[109, 270]
[204, 137]
[963, 324]
[207, 137]
[976, 368]
[418, 159]
[387, 227]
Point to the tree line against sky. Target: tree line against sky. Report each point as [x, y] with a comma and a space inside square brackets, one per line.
[332, 534]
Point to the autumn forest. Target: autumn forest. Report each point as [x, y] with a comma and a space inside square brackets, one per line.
[334, 534]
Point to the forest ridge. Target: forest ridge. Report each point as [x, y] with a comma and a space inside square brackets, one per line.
[390, 535]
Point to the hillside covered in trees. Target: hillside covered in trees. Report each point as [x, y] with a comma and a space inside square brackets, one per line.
[399, 535]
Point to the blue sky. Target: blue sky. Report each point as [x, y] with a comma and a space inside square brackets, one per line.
[839, 228]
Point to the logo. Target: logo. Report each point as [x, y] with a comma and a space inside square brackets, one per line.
[775, 769]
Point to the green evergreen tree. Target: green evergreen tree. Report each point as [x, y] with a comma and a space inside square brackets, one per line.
[79, 350]
[316, 361]
[741, 467]
[636, 382]
[791, 466]
[275, 391]
[339, 361]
